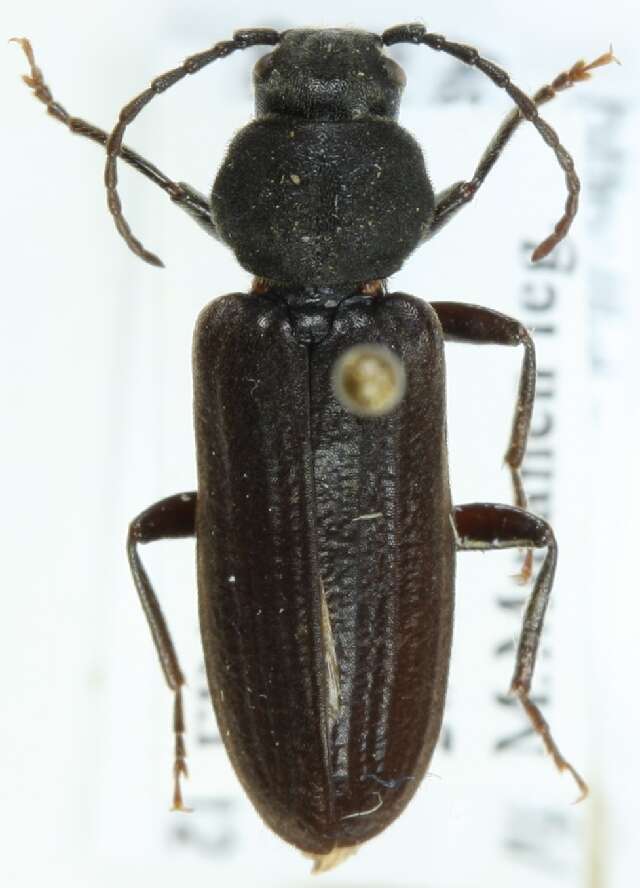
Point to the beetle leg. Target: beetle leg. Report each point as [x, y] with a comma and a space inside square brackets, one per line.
[480, 326]
[186, 197]
[482, 526]
[453, 198]
[168, 519]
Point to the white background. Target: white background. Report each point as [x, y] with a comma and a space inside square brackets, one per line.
[97, 425]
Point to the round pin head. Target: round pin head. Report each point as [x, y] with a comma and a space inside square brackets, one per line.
[369, 379]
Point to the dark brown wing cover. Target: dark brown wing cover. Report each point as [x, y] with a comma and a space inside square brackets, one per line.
[299, 498]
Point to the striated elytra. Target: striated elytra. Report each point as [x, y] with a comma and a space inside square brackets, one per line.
[326, 536]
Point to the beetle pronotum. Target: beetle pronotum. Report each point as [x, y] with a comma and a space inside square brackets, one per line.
[325, 530]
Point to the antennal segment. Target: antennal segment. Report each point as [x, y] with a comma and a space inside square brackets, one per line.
[416, 33]
[193, 64]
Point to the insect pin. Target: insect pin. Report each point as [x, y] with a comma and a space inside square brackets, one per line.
[326, 536]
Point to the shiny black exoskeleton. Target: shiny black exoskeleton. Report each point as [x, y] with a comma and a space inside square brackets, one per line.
[325, 531]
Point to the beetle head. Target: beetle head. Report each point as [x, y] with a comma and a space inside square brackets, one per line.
[324, 187]
[331, 74]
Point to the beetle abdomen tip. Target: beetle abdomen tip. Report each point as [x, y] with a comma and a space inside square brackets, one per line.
[322, 863]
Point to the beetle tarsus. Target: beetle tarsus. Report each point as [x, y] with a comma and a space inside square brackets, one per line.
[491, 526]
[180, 769]
[541, 727]
[523, 577]
[171, 518]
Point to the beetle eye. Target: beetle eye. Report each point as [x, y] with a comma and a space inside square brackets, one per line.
[396, 74]
[369, 380]
[263, 67]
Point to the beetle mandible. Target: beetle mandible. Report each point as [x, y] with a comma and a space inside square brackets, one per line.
[326, 536]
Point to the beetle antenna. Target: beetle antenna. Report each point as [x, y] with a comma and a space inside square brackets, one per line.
[241, 40]
[178, 192]
[418, 34]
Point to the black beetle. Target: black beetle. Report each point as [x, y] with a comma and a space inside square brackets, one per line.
[325, 532]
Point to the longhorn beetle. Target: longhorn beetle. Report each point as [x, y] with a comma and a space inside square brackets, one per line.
[326, 537]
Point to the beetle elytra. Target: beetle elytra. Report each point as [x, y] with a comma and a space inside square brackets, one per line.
[326, 535]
